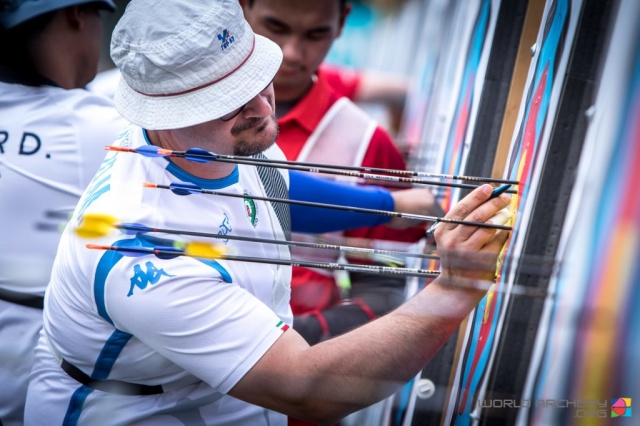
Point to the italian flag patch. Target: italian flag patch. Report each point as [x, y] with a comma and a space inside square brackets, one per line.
[282, 326]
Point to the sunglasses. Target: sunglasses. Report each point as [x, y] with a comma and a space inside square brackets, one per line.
[230, 116]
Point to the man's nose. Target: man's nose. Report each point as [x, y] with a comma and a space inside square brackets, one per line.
[292, 50]
[261, 105]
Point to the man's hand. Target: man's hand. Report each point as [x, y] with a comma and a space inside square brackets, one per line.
[470, 252]
[414, 201]
[325, 382]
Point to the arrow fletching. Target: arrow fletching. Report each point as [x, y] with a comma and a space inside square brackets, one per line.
[199, 155]
[95, 225]
[205, 250]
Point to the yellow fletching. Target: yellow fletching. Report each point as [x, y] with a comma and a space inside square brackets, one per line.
[95, 225]
[209, 251]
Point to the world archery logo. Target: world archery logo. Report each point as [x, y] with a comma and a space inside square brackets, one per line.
[226, 39]
[251, 210]
[141, 278]
[621, 407]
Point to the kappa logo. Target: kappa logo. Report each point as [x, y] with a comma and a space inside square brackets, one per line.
[226, 39]
[142, 278]
[225, 227]
[251, 209]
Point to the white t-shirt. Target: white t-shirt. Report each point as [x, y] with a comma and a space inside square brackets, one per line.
[194, 326]
[105, 83]
[51, 144]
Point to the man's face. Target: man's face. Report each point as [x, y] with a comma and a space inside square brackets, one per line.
[255, 128]
[254, 135]
[252, 131]
[304, 30]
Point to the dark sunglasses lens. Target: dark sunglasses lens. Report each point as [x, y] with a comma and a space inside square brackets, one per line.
[232, 114]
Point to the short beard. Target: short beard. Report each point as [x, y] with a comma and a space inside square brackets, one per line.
[246, 148]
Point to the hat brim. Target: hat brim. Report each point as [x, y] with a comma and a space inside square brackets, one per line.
[206, 104]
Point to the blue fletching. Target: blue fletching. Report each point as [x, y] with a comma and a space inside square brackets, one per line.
[148, 151]
[133, 228]
[199, 155]
[184, 188]
[135, 251]
[175, 252]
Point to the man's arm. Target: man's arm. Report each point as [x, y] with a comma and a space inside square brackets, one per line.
[305, 187]
[325, 382]
[415, 201]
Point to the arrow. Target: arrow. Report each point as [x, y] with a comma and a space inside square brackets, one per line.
[207, 251]
[97, 225]
[189, 188]
[199, 155]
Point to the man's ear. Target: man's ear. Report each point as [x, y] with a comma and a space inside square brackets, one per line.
[343, 16]
[75, 16]
[244, 4]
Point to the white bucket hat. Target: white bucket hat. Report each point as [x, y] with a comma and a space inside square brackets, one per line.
[188, 62]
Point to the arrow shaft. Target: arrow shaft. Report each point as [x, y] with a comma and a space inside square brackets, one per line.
[361, 169]
[339, 172]
[326, 246]
[309, 165]
[516, 289]
[384, 270]
[339, 207]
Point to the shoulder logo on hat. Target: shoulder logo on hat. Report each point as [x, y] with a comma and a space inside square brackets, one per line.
[226, 39]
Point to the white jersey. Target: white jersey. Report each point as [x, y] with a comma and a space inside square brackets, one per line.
[193, 326]
[105, 83]
[51, 144]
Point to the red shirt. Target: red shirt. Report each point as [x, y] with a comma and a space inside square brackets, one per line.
[343, 80]
[294, 130]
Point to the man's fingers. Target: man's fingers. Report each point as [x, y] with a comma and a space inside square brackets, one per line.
[500, 218]
[487, 210]
[469, 203]
[480, 236]
[483, 212]
[496, 243]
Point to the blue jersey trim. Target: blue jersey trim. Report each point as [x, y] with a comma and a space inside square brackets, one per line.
[75, 406]
[109, 354]
[224, 182]
[106, 263]
[218, 267]
[107, 358]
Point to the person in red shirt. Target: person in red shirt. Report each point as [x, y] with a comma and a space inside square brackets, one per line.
[345, 81]
[318, 124]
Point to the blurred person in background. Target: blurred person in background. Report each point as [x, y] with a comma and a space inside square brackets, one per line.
[52, 134]
[317, 124]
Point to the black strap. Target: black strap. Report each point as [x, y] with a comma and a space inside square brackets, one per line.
[111, 386]
[276, 187]
[24, 299]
